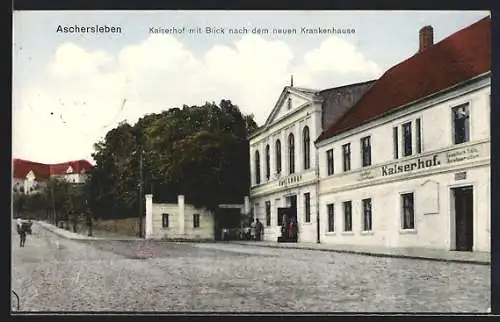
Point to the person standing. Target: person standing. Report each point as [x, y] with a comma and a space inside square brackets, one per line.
[253, 230]
[258, 229]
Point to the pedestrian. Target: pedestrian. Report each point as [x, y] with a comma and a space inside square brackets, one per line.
[259, 229]
[21, 231]
[253, 230]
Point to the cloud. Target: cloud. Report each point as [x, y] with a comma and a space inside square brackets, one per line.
[86, 93]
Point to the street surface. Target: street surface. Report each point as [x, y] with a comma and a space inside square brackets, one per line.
[56, 274]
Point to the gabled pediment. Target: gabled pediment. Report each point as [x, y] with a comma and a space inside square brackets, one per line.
[290, 99]
[31, 175]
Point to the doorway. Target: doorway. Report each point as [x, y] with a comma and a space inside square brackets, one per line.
[463, 199]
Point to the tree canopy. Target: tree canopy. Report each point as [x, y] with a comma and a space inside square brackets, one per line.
[198, 151]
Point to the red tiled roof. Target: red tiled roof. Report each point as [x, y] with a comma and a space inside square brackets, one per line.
[78, 166]
[457, 58]
[21, 168]
[44, 171]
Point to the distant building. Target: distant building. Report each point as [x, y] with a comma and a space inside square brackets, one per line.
[30, 177]
[409, 164]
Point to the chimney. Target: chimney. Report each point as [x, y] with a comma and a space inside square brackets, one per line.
[291, 81]
[426, 38]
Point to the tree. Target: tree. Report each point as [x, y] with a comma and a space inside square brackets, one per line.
[198, 151]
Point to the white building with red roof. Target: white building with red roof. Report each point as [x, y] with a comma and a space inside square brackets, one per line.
[29, 177]
[409, 164]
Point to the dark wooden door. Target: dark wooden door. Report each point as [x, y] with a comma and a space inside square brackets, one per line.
[464, 214]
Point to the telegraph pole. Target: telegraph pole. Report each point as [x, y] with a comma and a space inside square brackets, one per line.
[141, 187]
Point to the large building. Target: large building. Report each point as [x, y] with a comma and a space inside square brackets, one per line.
[29, 177]
[284, 162]
[408, 165]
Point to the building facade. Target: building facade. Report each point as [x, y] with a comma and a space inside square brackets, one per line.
[178, 221]
[284, 162]
[30, 177]
[409, 164]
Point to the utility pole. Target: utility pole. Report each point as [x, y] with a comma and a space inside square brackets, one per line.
[141, 186]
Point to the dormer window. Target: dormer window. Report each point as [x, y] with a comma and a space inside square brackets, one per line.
[70, 170]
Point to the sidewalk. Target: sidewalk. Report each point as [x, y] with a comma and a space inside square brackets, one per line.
[481, 258]
[97, 235]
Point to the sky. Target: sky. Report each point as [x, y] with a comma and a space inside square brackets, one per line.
[70, 89]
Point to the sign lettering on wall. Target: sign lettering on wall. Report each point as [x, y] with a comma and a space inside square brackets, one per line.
[420, 163]
[290, 180]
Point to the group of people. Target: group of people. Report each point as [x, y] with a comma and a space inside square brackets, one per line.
[254, 231]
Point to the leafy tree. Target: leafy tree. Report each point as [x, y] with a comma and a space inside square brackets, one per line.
[198, 151]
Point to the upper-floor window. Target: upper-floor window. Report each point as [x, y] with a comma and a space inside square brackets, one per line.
[418, 135]
[329, 162]
[278, 156]
[307, 148]
[407, 149]
[366, 152]
[257, 167]
[291, 154]
[268, 162]
[346, 151]
[395, 142]
[461, 123]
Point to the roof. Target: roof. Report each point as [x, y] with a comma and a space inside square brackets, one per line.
[44, 171]
[457, 58]
[313, 94]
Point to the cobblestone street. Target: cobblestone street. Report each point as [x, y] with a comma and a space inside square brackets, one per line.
[56, 274]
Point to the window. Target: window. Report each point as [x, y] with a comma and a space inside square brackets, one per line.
[367, 214]
[291, 154]
[279, 220]
[346, 150]
[257, 167]
[278, 156]
[268, 213]
[418, 135]
[366, 152]
[331, 217]
[268, 162]
[347, 215]
[164, 220]
[407, 139]
[408, 210]
[289, 103]
[196, 220]
[395, 142]
[307, 206]
[329, 161]
[307, 148]
[461, 123]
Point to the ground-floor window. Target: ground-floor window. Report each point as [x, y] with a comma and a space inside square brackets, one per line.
[408, 211]
[331, 217]
[268, 213]
[196, 220]
[367, 214]
[307, 206]
[164, 220]
[347, 216]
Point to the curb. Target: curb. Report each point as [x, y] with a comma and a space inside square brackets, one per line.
[55, 230]
[366, 253]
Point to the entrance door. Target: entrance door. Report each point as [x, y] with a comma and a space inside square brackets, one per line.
[292, 201]
[285, 217]
[464, 214]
